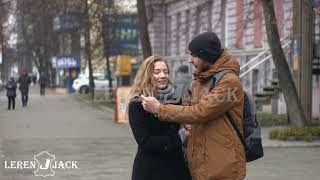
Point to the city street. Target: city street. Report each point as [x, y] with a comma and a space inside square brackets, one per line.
[74, 131]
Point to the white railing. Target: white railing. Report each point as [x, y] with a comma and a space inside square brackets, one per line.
[258, 57]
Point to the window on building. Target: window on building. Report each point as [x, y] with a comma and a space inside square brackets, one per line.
[209, 9]
[168, 36]
[197, 21]
[68, 43]
[178, 33]
[257, 24]
[187, 21]
[240, 23]
[65, 44]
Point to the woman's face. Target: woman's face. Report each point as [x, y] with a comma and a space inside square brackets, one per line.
[161, 75]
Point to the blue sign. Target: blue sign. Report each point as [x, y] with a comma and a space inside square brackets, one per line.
[121, 34]
[315, 2]
[63, 62]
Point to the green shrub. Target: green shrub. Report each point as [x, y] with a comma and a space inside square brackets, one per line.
[273, 134]
[307, 133]
[269, 119]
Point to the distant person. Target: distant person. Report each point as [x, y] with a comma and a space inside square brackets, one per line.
[24, 82]
[43, 81]
[11, 87]
[183, 77]
[34, 79]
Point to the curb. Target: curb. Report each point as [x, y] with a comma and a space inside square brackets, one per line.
[289, 144]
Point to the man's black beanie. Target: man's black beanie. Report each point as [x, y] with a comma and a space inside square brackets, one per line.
[206, 46]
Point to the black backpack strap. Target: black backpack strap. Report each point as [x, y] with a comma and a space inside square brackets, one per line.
[218, 76]
[235, 127]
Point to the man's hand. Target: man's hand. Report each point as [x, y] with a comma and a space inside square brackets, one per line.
[150, 104]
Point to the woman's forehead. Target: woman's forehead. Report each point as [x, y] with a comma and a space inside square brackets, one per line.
[160, 65]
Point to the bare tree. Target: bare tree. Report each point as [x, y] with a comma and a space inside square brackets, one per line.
[295, 111]
[143, 28]
[5, 8]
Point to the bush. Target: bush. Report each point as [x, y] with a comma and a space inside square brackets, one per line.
[307, 134]
[269, 119]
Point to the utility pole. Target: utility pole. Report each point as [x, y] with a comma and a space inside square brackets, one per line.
[302, 53]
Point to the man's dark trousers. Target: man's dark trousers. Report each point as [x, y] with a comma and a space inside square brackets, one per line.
[11, 102]
[24, 96]
[42, 89]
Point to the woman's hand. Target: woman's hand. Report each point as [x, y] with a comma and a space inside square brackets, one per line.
[187, 127]
[150, 104]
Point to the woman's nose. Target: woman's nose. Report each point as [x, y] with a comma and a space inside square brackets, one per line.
[190, 60]
[162, 74]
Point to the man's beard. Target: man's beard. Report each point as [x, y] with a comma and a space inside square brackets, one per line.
[204, 67]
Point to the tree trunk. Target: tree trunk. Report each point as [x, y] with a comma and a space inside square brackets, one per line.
[88, 52]
[143, 28]
[295, 111]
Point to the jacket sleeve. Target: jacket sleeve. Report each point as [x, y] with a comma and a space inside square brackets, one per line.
[226, 95]
[142, 135]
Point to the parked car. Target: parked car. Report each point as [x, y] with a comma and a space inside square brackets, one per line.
[81, 84]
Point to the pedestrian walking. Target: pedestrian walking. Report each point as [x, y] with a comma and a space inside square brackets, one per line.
[24, 82]
[214, 150]
[159, 155]
[11, 87]
[43, 80]
[34, 79]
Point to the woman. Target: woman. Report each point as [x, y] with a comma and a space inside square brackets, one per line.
[11, 87]
[159, 155]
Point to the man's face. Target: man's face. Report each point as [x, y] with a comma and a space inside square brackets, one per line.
[198, 63]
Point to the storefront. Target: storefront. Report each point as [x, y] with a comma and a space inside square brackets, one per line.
[67, 68]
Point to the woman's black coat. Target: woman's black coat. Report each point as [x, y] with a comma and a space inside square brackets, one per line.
[159, 155]
[11, 87]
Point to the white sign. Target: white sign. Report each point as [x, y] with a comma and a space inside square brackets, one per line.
[64, 62]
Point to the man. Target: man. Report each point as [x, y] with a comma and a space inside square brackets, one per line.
[24, 82]
[43, 83]
[214, 150]
[183, 77]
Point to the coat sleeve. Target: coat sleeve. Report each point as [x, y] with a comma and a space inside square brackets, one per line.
[226, 95]
[142, 135]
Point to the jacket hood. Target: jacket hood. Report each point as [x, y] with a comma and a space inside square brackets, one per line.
[225, 62]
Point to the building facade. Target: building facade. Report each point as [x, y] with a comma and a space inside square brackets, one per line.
[240, 26]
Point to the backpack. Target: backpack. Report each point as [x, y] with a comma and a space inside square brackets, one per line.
[251, 140]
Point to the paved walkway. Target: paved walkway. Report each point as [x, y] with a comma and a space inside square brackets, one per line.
[72, 130]
[69, 129]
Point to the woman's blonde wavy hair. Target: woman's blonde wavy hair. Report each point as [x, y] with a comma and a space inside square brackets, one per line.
[143, 83]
